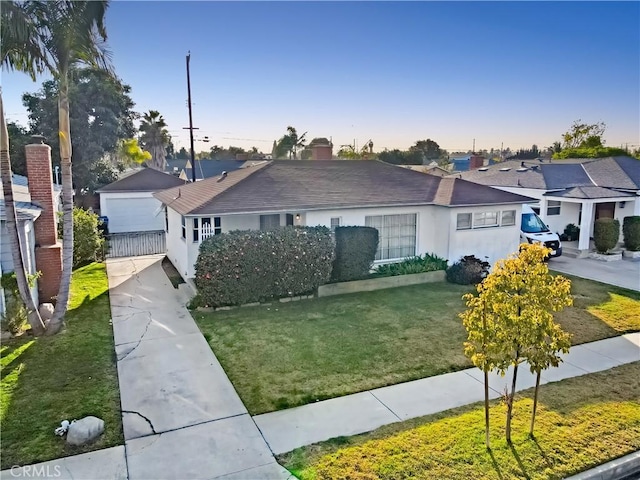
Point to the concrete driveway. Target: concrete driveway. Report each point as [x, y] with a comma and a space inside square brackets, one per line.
[182, 418]
[622, 273]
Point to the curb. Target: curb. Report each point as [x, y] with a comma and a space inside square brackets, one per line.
[617, 469]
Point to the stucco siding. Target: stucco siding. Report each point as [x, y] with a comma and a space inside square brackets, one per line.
[176, 245]
[486, 243]
[569, 213]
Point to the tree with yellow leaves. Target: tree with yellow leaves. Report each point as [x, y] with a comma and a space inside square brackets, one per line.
[513, 315]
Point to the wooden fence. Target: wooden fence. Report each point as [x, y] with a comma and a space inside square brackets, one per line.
[134, 244]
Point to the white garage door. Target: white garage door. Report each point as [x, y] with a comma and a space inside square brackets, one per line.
[133, 215]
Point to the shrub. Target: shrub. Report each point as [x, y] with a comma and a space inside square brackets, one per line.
[572, 232]
[355, 252]
[88, 242]
[606, 232]
[417, 264]
[468, 270]
[631, 233]
[253, 266]
[15, 312]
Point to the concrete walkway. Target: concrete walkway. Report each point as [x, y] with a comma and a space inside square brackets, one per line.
[182, 418]
[366, 411]
[622, 273]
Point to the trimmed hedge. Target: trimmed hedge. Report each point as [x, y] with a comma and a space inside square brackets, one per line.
[355, 252]
[606, 232]
[469, 270]
[254, 266]
[631, 233]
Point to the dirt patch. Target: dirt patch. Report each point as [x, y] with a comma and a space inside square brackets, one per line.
[174, 277]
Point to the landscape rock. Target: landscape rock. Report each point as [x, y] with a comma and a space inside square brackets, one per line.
[46, 311]
[85, 430]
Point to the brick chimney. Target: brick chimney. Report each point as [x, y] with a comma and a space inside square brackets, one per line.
[48, 249]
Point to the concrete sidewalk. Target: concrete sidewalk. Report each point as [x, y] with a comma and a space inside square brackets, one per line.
[362, 412]
[182, 418]
[622, 273]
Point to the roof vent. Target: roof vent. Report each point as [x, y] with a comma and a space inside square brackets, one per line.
[505, 169]
[483, 169]
[522, 169]
[224, 174]
[534, 167]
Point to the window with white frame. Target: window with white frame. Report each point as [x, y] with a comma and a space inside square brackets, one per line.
[553, 207]
[396, 235]
[508, 218]
[463, 221]
[485, 219]
[203, 228]
[269, 221]
[335, 222]
[183, 221]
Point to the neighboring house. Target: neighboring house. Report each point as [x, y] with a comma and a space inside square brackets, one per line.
[414, 213]
[432, 169]
[466, 162]
[175, 166]
[209, 168]
[129, 204]
[577, 191]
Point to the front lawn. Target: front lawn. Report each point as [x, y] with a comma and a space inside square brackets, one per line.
[581, 422]
[285, 355]
[64, 377]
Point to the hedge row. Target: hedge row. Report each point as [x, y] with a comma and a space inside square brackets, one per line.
[355, 252]
[631, 233]
[255, 266]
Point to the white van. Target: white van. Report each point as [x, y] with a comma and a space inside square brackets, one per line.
[533, 229]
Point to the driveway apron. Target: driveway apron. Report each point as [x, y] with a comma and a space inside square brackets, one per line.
[181, 416]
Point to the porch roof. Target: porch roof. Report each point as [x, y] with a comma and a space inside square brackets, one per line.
[315, 185]
[589, 193]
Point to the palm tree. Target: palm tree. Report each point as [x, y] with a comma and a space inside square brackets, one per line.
[20, 51]
[155, 138]
[70, 33]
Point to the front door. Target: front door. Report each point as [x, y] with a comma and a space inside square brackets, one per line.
[605, 210]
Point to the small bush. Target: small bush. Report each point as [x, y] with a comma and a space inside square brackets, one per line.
[417, 264]
[571, 232]
[253, 266]
[469, 270]
[631, 233]
[606, 232]
[15, 315]
[88, 242]
[355, 252]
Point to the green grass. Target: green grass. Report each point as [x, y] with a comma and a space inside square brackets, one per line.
[581, 422]
[290, 354]
[68, 376]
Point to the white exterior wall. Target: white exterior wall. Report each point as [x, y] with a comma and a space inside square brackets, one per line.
[490, 243]
[28, 241]
[569, 213]
[131, 211]
[177, 246]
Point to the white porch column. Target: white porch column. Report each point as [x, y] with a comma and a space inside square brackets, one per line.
[636, 206]
[585, 225]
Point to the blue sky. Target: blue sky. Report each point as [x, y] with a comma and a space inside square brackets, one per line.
[512, 72]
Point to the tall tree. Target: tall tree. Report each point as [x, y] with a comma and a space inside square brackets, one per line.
[20, 51]
[155, 138]
[428, 149]
[583, 134]
[71, 33]
[19, 136]
[101, 115]
[290, 143]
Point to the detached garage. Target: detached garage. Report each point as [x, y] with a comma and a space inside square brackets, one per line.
[129, 204]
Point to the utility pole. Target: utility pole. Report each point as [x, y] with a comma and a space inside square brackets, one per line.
[190, 127]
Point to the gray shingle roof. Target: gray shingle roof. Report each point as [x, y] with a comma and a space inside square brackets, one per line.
[309, 185]
[24, 210]
[212, 168]
[612, 172]
[146, 180]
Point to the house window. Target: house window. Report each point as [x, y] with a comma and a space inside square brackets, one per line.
[183, 221]
[335, 222]
[203, 229]
[485, 219]
[397, 235]
[553, 207]
[269, 221]
[508, 218]
[464, 221]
